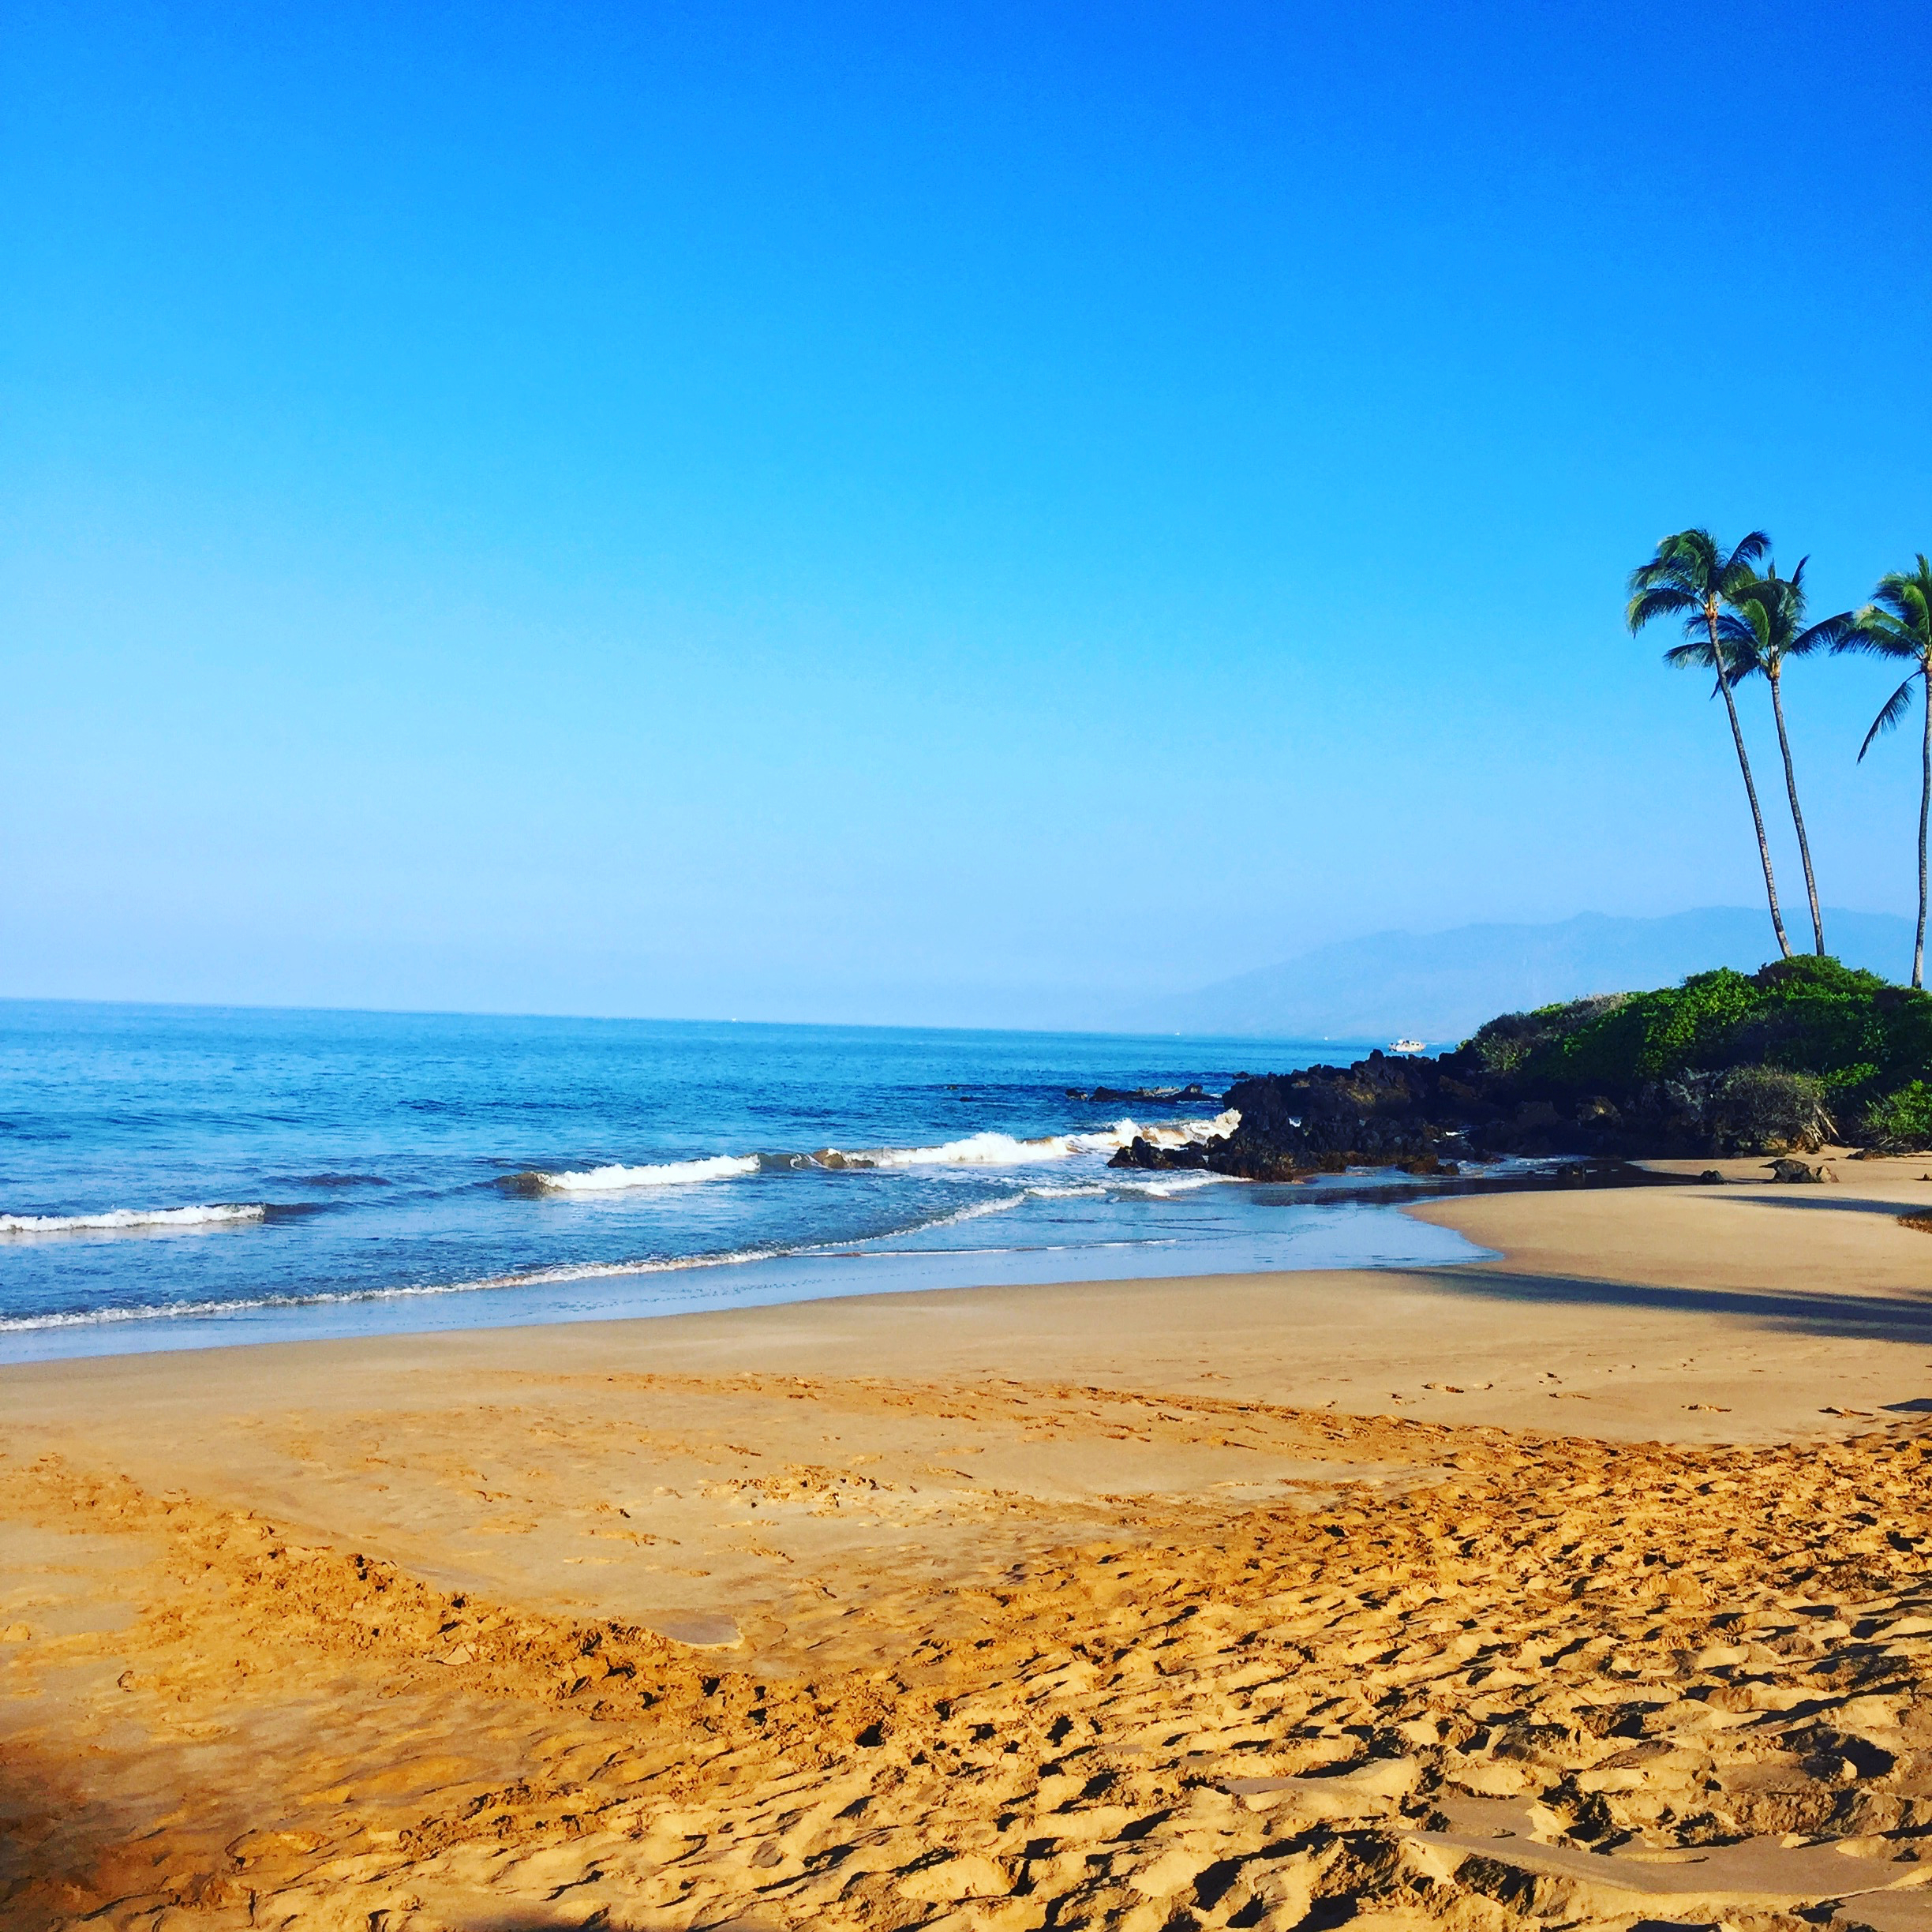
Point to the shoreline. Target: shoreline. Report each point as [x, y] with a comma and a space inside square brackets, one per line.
[1528, 1247]
[1356, 1228]
[617, 1290]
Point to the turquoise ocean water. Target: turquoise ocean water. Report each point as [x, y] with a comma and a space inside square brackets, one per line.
[195, 1176]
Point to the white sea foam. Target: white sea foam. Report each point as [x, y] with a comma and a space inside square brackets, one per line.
[1000, 1150]
[667, 1173]
[980, 1150]
[118, 1217]
[537, 1278]
[1172, 1185]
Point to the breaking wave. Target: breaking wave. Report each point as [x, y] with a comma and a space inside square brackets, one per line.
[114, 1218]
[1000, 1150]
[666, 1173]
[979, 1150]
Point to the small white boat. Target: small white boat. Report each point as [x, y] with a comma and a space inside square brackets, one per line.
[1408, 1047]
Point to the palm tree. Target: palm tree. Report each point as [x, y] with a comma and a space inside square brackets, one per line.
[1692, 576]
[1897, 622]
[1765, 626]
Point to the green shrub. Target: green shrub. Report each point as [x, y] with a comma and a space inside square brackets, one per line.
[1764, 1110]
[1684, 1028]
[1847, 1029]
[1505, 1044]
[1902, 1119]
[1847, 1080]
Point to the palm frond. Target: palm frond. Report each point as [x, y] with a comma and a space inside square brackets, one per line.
[1694, 656]
[1905, 598]
[1741, 566]
[1658, 600]
[1692, 549]
[1788, 595]
[1683, 561]
[1745, 634]
[1661, 573]
[1879, 634]
[1896, 706]
[1827, 633]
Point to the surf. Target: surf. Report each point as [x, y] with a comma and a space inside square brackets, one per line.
[990, 1148]
[115, 1220]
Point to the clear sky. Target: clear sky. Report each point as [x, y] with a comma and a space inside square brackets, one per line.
[940, 512]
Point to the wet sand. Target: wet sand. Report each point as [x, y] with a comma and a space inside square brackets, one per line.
[1585, 1585]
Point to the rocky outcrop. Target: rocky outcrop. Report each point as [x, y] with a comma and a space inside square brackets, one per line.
[1383, 1111]
[1790, 1173]
[1194, 1094]
[1430, 1115]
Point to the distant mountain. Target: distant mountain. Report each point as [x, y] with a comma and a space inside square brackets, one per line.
[1441, 986]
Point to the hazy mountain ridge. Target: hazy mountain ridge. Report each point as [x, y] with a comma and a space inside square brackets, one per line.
[1440, 986]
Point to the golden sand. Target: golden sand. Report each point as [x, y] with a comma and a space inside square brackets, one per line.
[1587, 1586]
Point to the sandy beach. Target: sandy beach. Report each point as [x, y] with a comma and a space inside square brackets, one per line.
[1585, 1585]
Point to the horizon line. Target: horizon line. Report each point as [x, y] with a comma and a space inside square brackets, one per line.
[829, 1026]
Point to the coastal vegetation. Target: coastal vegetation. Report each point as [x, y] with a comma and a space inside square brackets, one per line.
[1739, 623]
[1804, 1052]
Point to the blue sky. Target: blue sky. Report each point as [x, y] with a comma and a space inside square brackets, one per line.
[950, 514]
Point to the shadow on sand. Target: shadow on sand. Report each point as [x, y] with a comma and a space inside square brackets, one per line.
[1859, 1317]
[1829, 1198]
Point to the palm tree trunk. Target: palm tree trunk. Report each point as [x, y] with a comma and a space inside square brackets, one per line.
[1750, 786]
[1791, 785]
[1925, 803]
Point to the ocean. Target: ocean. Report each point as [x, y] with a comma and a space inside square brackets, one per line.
[180, 1177]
